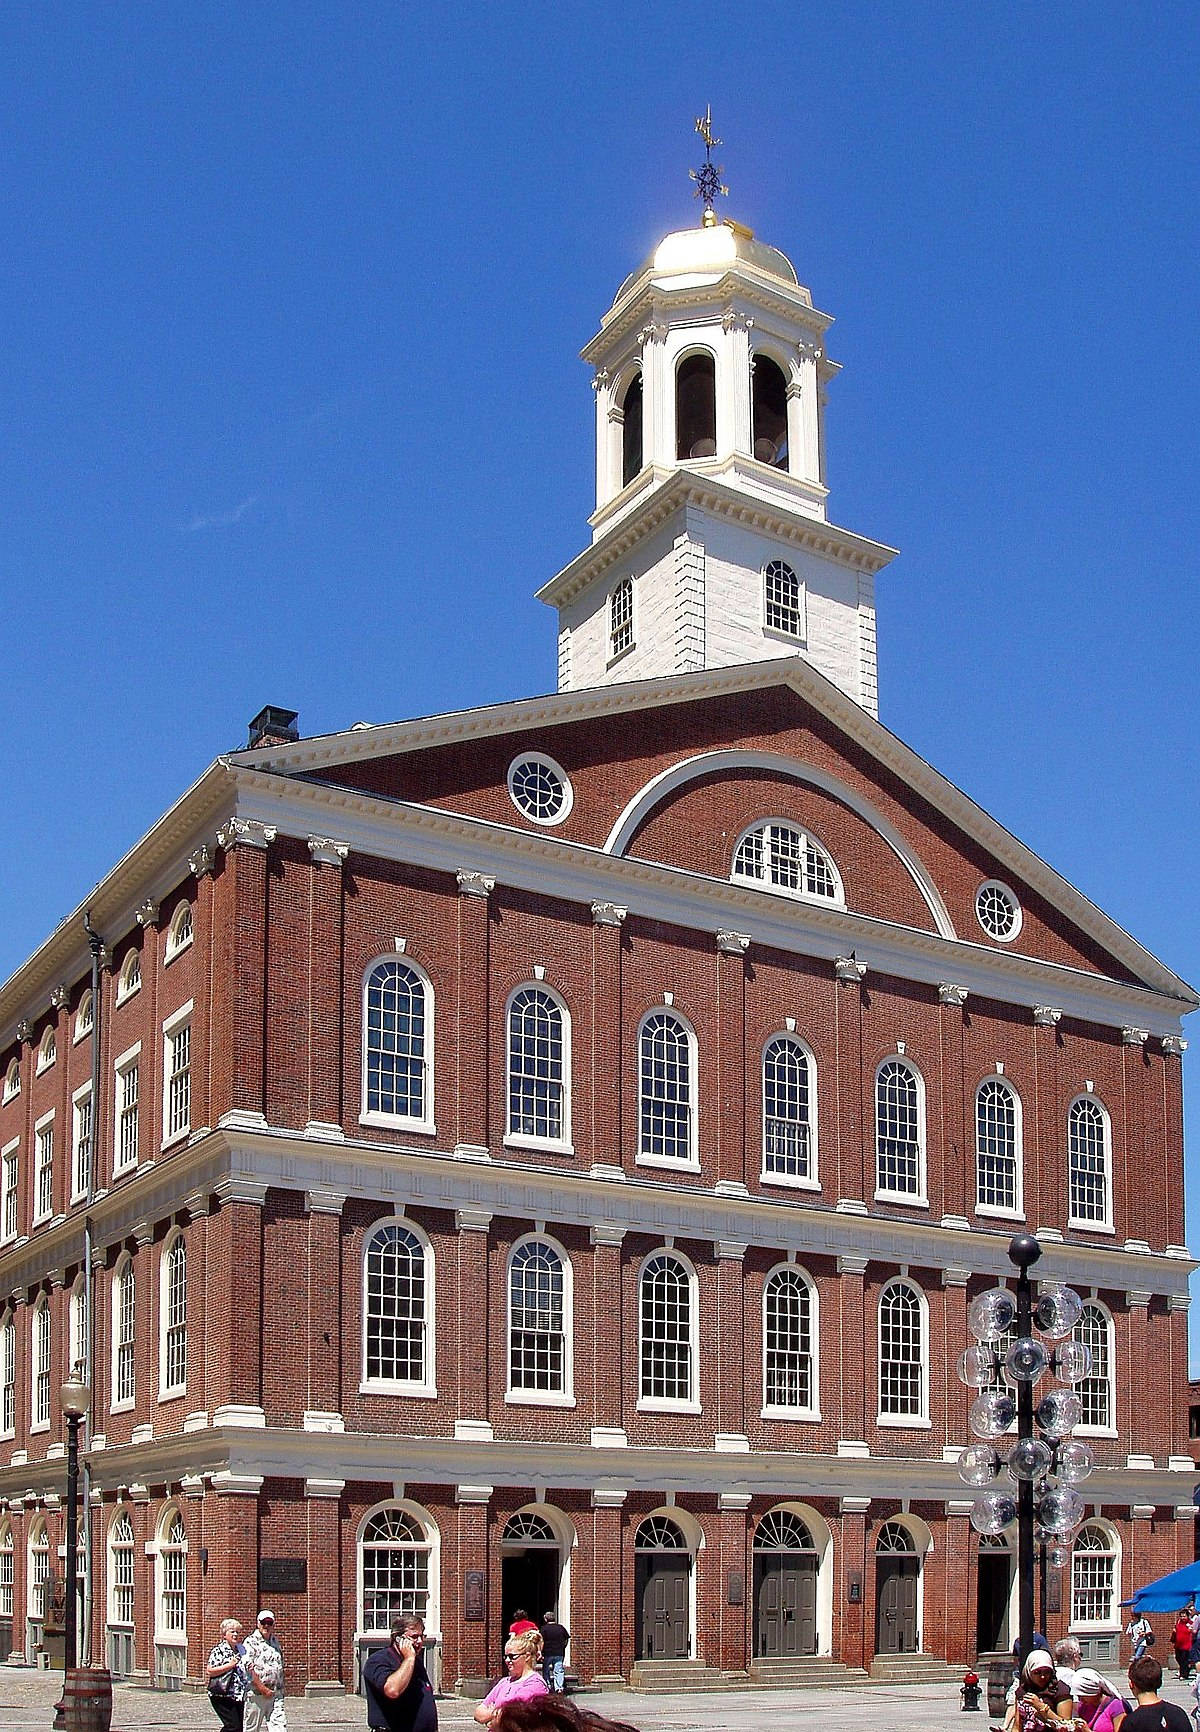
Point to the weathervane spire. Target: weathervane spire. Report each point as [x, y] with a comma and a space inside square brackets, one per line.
[709, 185]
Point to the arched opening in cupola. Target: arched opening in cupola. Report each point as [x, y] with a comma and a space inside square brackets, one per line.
[631, 431]
[769, 400]
[696, 407]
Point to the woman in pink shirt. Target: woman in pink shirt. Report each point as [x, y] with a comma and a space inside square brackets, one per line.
[1095, 1705]
[522, 1662]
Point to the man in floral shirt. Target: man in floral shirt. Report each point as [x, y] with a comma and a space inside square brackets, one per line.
[264, 1679]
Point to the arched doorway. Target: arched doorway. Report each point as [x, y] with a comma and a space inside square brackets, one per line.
[993, 1595]
[897, 1574]
[785, 1587]
[530, 1568]
[662, 1591]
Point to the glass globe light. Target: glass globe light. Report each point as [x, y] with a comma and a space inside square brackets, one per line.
[992, 1413]
[1057, 1311]
[1061, 1511]
[977, 1367]
[1026, 1360]
[1058, 1413]
[993, 1512]
[1073, 1361]
[1058, 1556]
[977, 1464]
[1029, 1458]
[1074, 1462]
[991, 1313]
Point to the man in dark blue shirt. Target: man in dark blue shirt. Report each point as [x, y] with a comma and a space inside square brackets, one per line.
[399, 1694]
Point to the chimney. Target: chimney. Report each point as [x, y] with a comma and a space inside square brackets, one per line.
[273, 727]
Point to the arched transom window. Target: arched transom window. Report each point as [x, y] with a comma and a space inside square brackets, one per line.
[666, 1330]
[395, 1043]
[395, 1307]
[901, 1353]
[789, 1383]
[528, 1529]
[395, 1570]
[782, 1530]
[899, 1131]
[997, 1147]
[895, 1538]
[172, 1571]
[1094, 1576]
[537, 1059]
[787, 1111]
[785, 857]
[1089, 1164]
[659, 1534]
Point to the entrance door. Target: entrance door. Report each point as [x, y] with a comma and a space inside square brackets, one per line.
[896, 1605]
[528, 1582]
[786, 1605]
[662, 1604]
[992, 1602]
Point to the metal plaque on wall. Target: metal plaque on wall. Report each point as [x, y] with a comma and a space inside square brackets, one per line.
[473, 1597]
[737, 1588]
[282, 1576]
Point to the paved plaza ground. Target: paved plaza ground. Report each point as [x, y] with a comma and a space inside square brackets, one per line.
[27, 1700]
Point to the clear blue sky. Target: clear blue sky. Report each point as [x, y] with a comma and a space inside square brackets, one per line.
[290, 302]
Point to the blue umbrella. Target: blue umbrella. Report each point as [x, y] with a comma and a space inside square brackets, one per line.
[1168, 1593]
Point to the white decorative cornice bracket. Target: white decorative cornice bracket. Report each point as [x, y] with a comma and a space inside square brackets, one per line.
[733, 943]
[147, 913]
[608, 913]
[1046, 1016]
[1174, 1044]
[852, 1265]
[849, 969]
[952, 995]
[60, 997]
[1134, 1036]
[245, 833]
[201, 861]
[475, 884]
[326, 851]
[472, 1220]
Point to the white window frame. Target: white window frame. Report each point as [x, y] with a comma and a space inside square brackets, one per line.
[130, 1060]
[8, 1374]
[41, 1364]
[84, 1018]
[419, 1519]
[37, 1569]
[10, 1191]
[994, 1210]
[77, 1332]
[918, 1199]
[425, 1387]
[128, 1550]
[174, 1634]
[129, 980]
[400, 1121]
[168, 1391]
[1084, 1429]
[775, 1410]
[919, 1421]
[811, 1181]
[1010, 896]
[43, 1142]
[79, 1100]
[12, 1081]
[563, 1144]
[119, 1403]
[555, 768]
[172, 1028]
[180, 932]
[1113, 1620]
[765, 882]
[667, 1403]
[8, 1552]
[781, 633]
[672, 1163]
[47, 1053]
[1105, 1224]
[520, 1396]
[626, 625]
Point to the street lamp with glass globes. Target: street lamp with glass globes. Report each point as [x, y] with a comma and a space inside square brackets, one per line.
[1032, 1481]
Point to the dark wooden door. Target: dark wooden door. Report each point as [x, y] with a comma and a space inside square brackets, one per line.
[528, 1580]
[786, 1605]
[662, 1602]
[992, 1601]
[896, 1605]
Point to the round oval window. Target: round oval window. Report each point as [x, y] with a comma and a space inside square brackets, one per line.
[997, 910]
[539, 788]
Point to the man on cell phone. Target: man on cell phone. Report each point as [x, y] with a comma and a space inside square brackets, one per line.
[399, 1694]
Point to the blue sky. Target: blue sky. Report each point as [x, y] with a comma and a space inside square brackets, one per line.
[291, 298]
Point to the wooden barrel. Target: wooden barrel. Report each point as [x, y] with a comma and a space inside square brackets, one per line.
[87, 1699]
[999, 1678]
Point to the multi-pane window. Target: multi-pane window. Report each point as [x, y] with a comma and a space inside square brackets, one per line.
[1094, 1576]
[620, 625]
[997, 1154]
[174, 1317]
[128, 1083]
[901, 1353]
[537, 1343]
[898, 1130]
[47, 1051]
[177, 1114]
[180, 931]
[124, 1299]
[85, 1016]
[41, 1364]
[787, 1110]
[173, 1565]
[6, 1570]
[43, 1174]
[394, 1306]
[784, 599]
[788, 1342]
[81, 1167]
[666, 1330]
[8, 1376]
[536, 1066]
[395, 1045]
[1088, 1164]
[130, 978]
[395, 1570]
[1094, 1330]
[12, 1079]
[666, 1088]
[9, 1198]
[39, 1570]
[120, 1570]
[787, 858]
[77, 1334]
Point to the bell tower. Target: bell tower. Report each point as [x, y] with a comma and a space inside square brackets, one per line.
[711, 542]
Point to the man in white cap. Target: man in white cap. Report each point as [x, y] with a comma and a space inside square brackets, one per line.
[264, 1678]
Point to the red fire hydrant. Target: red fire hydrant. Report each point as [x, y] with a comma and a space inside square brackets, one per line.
[970, 1693]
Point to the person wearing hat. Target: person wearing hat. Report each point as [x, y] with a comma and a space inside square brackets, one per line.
[1041, 1700]
[1095, 1704]
[263, 1711]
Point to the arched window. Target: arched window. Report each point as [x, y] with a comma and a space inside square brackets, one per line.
[172, 1346]
[997, 1147]
[667, 1113]
[39, 1568]
[394, 1564]
[903, 1361]
[538, 1337]
[130, 978]
[77, 1333]
[40, 1393]
[397, 1044]
[783, 600]
[769, 404]
[659, 1534]
[782, 1530]
[7, 1555]
[8, 1375]
[789, 1343]
[1095, 1576]
[895, 1540]
[47, 1051]
[631, 431]
[397, 1310]
[620, 618]
[786, 858]
[85, 1016]
[528, 1529]
[12, 1079]
[171, 1620]
[1089, 1164]
[179, 932]
[789, 1119]
[666, 1332]
[81, 1137]
[1097, 1392]
[696, 407]
[538, 1061]
[120, 1570]
[124, 1297]
[899, 1131]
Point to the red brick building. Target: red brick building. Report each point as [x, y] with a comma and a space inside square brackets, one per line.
[544, 1154]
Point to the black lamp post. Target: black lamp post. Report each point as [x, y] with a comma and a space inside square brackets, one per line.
[74, 1399]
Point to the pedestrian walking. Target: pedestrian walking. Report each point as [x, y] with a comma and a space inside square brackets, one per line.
[399, 1695]
[263, 1709]
[226, 1680]
[522, 1677]
[555, 1637]
[1139, 1633]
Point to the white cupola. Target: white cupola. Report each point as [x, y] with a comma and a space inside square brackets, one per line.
[711, 543]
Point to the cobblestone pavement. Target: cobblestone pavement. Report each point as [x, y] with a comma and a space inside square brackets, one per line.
[27, 1700]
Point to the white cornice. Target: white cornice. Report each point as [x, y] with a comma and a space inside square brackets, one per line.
[650, 293]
